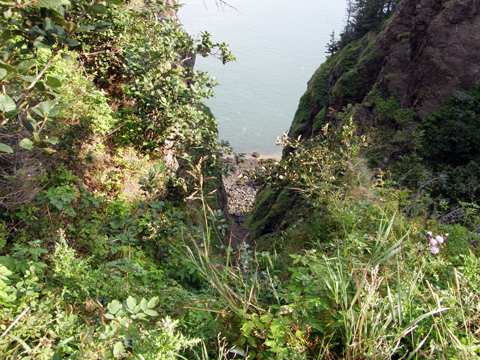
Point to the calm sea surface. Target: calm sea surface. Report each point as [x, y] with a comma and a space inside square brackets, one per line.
[278, 45]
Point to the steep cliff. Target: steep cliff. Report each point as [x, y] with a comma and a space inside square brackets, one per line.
[427, 52]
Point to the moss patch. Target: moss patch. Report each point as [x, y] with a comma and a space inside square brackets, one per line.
[317, 125]
[301, 115]
[268, 211]
[348, 57]
[391, 109]
[347, 85]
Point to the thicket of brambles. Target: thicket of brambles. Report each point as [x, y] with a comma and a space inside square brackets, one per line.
[111, 242]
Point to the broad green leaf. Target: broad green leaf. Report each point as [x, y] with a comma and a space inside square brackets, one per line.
[6, 35]
[118, 349]
[65, 56]
[6, 103]
[36, 31]
[265, 318]
[36, 111]
[144, 304]
[103, 23]
[116, 2]
[52, 4]
[57, 108]
[40, 86]
[52, 140]
[109, 316]
[153, 301]
[29, 79]
[247, 328]
[42, 44]
[45, 107]
[48, 24]
[3, 73]
[150, 312]
[270, 343]
[114, 306]
[5, 148]
[53, 81]
[36, 137]
[241, 341]
[139, 316]
[70, 26]
[7, 3]
[83, 28]
[10, 114]
[26, 65]
[131, 302]
[136, 309]
[57, 18]
[28, 124]
[59, 31]
[71, 42]
[10, 69]
[26, 144]
[98, 9]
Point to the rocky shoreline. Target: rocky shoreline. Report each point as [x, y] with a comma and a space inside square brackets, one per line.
[241, 193]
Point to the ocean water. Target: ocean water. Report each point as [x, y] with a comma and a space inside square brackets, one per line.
[278, 45]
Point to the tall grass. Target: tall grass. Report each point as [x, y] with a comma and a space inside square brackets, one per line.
[385, 303]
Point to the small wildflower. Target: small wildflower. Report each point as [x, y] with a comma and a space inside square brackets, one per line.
[429, 234]
[381, 200]
[432, 242]
[439, 239]
[434, 250]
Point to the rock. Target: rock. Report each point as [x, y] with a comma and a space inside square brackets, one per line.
[256, 154]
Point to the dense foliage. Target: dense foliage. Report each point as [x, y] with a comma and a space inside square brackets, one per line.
[111, 241]
[370, 268]
[364, 16]
[103, 134]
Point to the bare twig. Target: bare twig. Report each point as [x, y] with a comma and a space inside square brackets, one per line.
[13, 324]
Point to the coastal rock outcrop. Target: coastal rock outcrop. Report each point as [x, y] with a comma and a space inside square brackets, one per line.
[428, 51]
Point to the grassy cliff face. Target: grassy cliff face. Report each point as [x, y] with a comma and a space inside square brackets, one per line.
[401, 77]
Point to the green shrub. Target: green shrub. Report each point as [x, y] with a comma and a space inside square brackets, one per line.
[347, 84]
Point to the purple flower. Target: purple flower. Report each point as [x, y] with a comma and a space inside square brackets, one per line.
[429, 234]
[432, 242]
[440, 239]
[434, 250]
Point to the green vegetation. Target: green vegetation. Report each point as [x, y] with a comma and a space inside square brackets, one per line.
[347, 85]
[364, 16]
[372, 272]
[347, 59]
[446, 153]
[112, 243]
[391, 109]
[103, 135]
